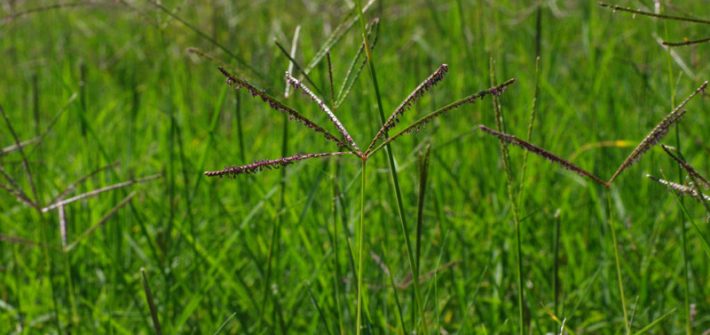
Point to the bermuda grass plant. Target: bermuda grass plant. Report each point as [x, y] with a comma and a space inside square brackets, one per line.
[337, 184]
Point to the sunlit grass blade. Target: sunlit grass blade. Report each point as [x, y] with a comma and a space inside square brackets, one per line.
[336, 35]
[291, 55]
[655, 322]
[357, 64]
[293, 63]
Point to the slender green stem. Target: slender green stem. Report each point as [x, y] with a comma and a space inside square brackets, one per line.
[361, 248]
[393, 171]
[513, 202]
[686, 275]
[618, 265]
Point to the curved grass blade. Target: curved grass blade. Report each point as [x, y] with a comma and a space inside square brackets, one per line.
[353, 73]
[336, 35]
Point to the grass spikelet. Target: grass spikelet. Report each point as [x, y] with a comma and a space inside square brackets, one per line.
[543, 153]
[341, 129]
[680, 189]
[656, 134]
[694, 174]
[418, 92]
[238, 83]
[269, 164]
[417, 125]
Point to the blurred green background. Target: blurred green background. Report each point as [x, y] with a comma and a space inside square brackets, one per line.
[102, 82]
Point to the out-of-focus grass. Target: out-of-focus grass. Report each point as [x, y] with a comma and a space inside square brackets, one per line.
[117, 84]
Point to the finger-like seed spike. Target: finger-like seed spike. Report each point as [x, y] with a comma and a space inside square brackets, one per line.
[680, 189]
[268, 164]
[238, 83]
[297, 84]
[543, 153]
[694, 174]
[417, 93]
[656, 134]
[417, 125]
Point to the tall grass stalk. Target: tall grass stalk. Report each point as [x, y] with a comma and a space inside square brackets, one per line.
[392, 169]
[500, 124]
[361, 250]
[617, 262]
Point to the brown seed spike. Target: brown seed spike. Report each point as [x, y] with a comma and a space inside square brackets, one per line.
[298, 85]
[694, 174]
[656, 134]
[543, 153]
[268, 164]
[680, 189]
[238, 83]
[418, 92]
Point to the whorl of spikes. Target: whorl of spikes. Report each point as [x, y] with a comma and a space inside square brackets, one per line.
[238, 83]
[417, 125]
[418, 92]
[341, 129]
[268, 164]
[543, 153]
[657, 133]
[680, 189]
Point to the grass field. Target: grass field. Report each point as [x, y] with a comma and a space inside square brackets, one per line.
[121, 103]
